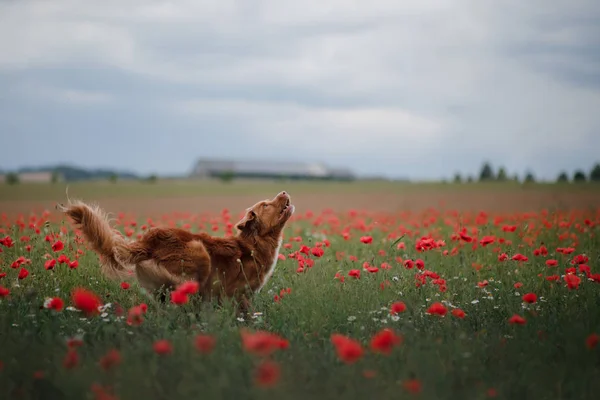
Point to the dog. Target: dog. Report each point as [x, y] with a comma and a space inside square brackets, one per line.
[163, 258]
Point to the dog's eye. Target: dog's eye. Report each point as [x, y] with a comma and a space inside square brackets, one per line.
[252, 213]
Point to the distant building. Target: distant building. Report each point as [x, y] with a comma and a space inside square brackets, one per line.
[212, 168]
[35, 177]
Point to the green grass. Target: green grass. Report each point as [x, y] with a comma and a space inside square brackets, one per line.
[191, 188]
[453, 358]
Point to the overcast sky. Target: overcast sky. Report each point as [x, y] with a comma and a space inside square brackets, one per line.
[399, 88]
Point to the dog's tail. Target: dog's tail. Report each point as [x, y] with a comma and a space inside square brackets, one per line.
[105, 241]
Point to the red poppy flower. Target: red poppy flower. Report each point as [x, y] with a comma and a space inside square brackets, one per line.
[267, 374]
[566, 250]
[205, 343]
[74, 342]
[347, 349]
[124, 285]
[4, 292]
[354, 273]
[58, 246]
[162, 347]
[585, 269]
[592, 341]
[571, 270]
[262, 343]
[189, 287]
[487, 240]
[135, 316]
[71, 360]
[86, 300]
[20, 261]
[573, 281]
[384, 341]
[102, 393]
[7, 242]
[580, 259]
[437, 309]
[110, 359]
[56, 304]
[23, 273]
[551, 263]
[530, 298]
[509, 228]
[178, 297]
[466, 237]
[397, 307]
[317, 251]
[412, 386]
[458, 313]
[366, 239]
[50, 264]
[517, 319]
[519, 257]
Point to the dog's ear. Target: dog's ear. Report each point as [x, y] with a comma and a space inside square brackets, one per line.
[245, 222]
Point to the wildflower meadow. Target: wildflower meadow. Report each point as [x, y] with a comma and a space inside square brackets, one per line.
[429, 304]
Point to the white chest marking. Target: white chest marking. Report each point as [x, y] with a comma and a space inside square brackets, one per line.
[271, 267]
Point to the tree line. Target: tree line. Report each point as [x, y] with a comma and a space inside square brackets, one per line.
[487, 174]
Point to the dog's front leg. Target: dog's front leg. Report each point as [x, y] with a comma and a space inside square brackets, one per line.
[243, 305]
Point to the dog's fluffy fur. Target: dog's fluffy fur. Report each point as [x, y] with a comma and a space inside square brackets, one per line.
[163, 258]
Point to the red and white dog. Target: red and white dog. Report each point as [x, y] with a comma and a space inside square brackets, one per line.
[235, 267]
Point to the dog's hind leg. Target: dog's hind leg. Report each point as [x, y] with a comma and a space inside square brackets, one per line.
[166, 271]
[155, 278]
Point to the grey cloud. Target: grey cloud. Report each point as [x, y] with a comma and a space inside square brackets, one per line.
[412, 88]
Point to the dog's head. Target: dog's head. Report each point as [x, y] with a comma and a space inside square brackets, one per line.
[267, 217]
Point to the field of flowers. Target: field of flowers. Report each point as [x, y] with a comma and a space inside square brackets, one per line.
[432, 305]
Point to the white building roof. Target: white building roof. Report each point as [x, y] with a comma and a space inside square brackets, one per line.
[266, 167]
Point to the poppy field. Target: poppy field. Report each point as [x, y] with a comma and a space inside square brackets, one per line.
[436, 303]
